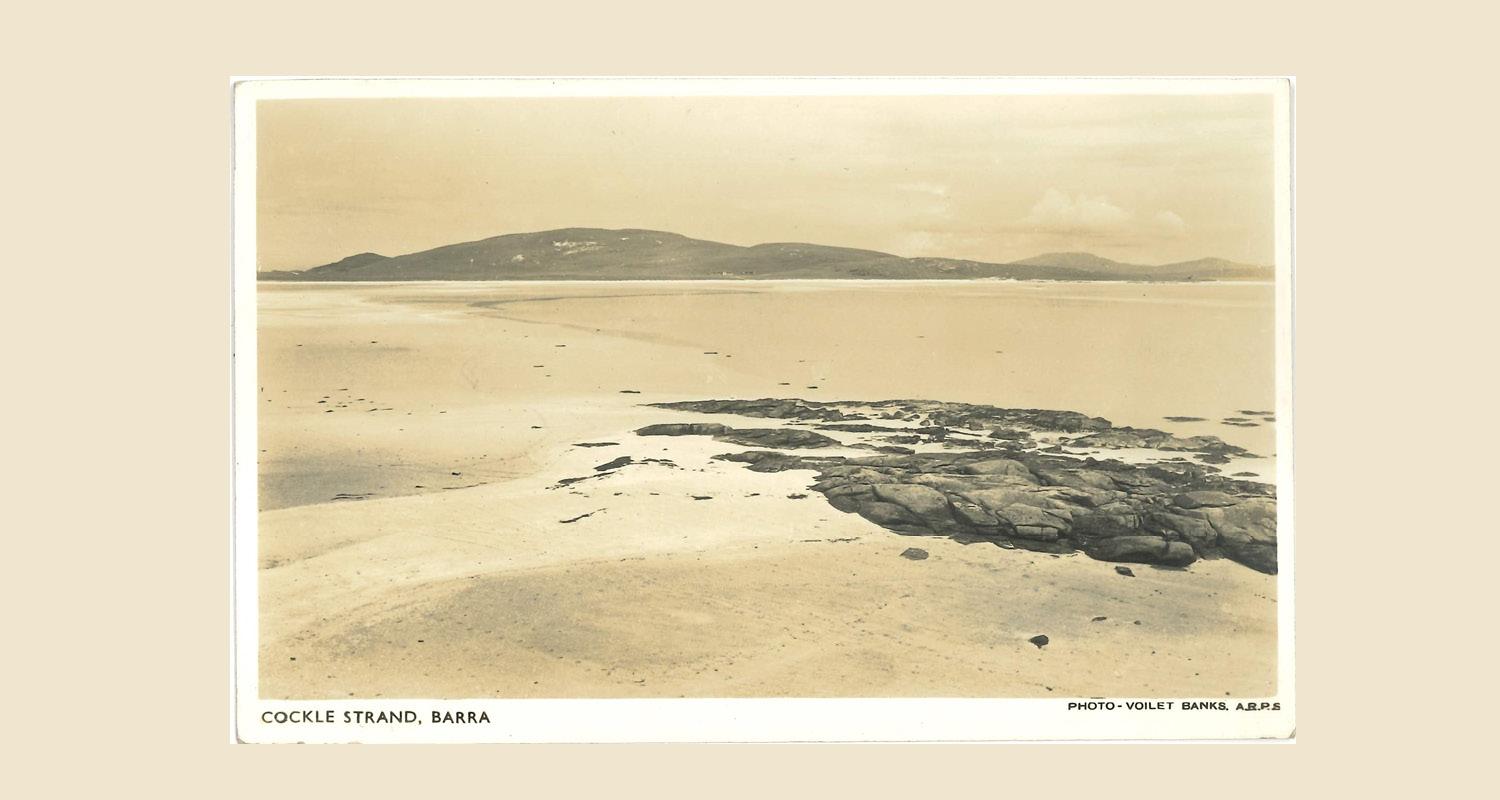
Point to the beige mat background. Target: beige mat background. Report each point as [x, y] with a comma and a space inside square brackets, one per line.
[116, 335]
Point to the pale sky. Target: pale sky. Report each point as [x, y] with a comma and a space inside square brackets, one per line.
[1144, 179]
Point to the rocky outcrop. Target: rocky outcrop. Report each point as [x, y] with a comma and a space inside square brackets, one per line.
[750, 437]
[684, 429]
[1168, 513]
[938, 421]
[1152, 439]
[1165, 514]
[934, 413]
[776, 437]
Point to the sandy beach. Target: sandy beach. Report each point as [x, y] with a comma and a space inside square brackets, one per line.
[419, 536]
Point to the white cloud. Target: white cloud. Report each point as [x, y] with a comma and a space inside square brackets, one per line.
[1169, 223]
[1059, 211]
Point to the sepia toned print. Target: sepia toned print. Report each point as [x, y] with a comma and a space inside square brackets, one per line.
[758, 396]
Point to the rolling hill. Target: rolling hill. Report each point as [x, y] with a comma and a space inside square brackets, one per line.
[633, 254]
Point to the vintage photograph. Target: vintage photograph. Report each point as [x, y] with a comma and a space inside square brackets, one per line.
[769, 389]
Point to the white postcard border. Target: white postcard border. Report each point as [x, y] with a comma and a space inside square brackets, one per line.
[731, 720]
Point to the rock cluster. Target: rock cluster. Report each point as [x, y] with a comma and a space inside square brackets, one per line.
[1166, 513]
[750, 437]
[939, 420]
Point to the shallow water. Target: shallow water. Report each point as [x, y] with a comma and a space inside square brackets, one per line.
[1133, 353]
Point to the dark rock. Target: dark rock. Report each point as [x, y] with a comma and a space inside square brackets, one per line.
[1150, 438]
[750, 437]
[1193, 530]
[938, 413]
[857, 427]
[597, 444]
[769, 408]
[1184, 419]
[1202, 499]
[1039, 640]
[1143, 550]
[615, 464]
[1126, 571]
[1164, 513]
[934, 433]
[768, 461]
[1010, 434]
[1000, 466]
[914, 554]
[684, 429]
[924, 501]
[776, 437]
[1247, 532]
[1118, 521]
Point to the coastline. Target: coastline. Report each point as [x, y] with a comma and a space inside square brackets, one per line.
[654, 582]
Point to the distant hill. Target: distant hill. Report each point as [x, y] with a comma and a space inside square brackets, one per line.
[1084, 261]
[632, 254]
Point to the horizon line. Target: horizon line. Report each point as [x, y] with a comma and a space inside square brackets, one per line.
[1018, 262]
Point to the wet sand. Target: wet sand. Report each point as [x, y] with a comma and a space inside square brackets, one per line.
[415, 541]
